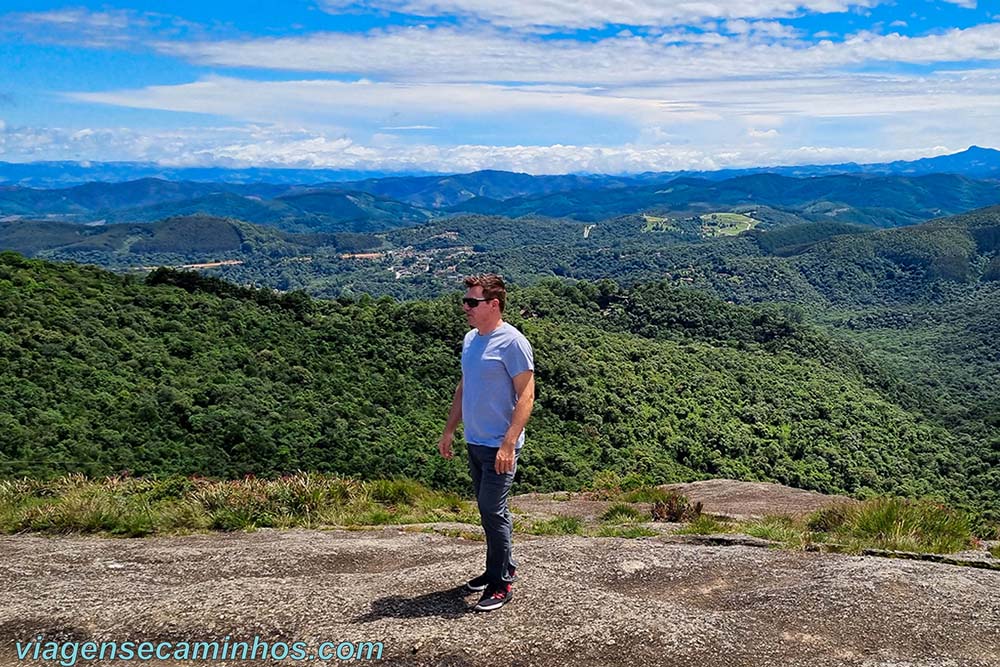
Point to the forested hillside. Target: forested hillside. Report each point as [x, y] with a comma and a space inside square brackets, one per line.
[383, 204]
[185, 373]
[882, 201]
[196, 238]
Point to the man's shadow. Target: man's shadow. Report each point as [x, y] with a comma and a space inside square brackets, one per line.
[450, 603]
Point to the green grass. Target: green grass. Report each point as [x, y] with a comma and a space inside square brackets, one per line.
[995, 551]
[560, 525]
[622, 513]
[646, 494]
[896, 524]
[726, 218]
[781, 529]
[658, 224]
[704, 525]
[727, 224]
[906, 525]
[630, 532]
[135, 507]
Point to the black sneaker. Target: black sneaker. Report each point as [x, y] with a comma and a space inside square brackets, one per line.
[495, 597]
[482, 581]
[478, 584]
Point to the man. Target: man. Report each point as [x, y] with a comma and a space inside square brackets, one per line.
[494, 400]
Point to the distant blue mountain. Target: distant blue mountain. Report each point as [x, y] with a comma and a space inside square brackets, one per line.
[416, 187]
[66, 174]
[974, 162]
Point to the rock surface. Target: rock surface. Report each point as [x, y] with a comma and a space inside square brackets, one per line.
[747, 500]
[579, 601]
[720, 497]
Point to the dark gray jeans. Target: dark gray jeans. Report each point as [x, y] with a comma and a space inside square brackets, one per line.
[492, 491]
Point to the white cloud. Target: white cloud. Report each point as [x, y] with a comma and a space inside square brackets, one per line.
[597, 13]
[25, 144]
[323, 101]
[837, 97]
[281, 147]
[770, 29]
[453, 55]
[692, 125]
[107, 20]
[968, 4]
[107, 29]
[710, 83]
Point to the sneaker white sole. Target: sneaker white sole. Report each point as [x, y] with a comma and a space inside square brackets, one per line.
[491, 607]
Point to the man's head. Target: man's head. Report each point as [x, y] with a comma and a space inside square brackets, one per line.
[484, 300]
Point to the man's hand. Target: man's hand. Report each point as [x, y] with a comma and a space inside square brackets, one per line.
[444, 445]
[505, 459]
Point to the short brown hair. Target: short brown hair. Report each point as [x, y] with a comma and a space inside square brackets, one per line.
[493, 287]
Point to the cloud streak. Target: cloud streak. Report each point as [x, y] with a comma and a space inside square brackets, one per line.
[461, 55]
[582, 14]
[316, 100]
[107, 29]
[419, 105]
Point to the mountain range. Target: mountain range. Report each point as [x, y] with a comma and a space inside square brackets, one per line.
[384, 204]
[883, 201]
[975, 162]
[292, 208]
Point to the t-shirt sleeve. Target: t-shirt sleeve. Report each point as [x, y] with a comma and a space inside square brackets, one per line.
[518, 357]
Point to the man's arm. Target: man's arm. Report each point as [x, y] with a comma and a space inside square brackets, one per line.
[454, 417]
[524, 387]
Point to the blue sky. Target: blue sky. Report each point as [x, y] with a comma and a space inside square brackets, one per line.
[457, 85]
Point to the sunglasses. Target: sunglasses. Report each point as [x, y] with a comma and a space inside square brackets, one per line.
[472, 302]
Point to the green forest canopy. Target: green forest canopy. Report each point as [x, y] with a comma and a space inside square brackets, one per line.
[182, 373]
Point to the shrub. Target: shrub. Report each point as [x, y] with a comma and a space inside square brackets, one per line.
[675, 507]
[237, 505]
[606, 483]
[306, 495]
[395, 491]
[135, 506]
[828, 519]
[181, 515]
[174, 487]
[90, 509]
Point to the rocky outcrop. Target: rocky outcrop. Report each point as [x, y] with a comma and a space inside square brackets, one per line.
[579, 600]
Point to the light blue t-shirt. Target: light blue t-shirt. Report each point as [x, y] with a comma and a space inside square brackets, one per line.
[488, 365]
